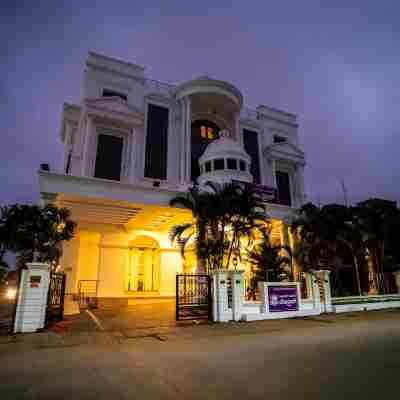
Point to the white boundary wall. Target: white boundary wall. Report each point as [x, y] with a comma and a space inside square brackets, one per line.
[365, 303]
[229, 304]
[304, 307]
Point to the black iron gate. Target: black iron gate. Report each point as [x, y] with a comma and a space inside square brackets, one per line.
[193, 297]
[55, 298]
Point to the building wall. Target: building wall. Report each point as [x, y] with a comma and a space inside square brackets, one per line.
[103, 254]
[79, 126]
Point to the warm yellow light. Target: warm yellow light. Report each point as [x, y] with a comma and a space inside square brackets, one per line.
[203, 132]
[11, 293]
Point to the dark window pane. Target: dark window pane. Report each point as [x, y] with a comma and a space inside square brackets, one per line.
[283, 184]
[232, 164]
[203, 132]
[156, 142]
[112, 93]
[208, 166]
[68, 167]
[251, 146]
[219, 164]
[109, 157]
[279, 139]
[242, 165]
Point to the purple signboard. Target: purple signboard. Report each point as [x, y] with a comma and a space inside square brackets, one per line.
[282, 298]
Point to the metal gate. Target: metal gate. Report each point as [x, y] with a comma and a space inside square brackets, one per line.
[55, 298]
[193, 296]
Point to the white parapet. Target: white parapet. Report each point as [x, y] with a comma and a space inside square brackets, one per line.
[32, 298]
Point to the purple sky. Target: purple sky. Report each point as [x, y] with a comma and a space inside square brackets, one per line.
[336, 66]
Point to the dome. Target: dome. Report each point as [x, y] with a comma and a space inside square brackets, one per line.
[224, 160]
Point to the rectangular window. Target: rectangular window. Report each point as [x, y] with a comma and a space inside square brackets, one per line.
[109, 157]
[219, 164]
[208, 166]
[231, 163]
[250, 139]
[279, 139]
[283, 186]
[156, 142]
[112, 93]
[242, 165]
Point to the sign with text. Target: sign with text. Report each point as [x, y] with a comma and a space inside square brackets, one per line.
[282, 298]
[265, 192]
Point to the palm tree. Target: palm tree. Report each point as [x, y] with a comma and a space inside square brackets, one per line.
[268, 261]
[225, 219]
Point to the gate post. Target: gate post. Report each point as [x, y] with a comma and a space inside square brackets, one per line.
[325, 289]
[237, 280]
[221, 312]
[32, 298]
[315, 292]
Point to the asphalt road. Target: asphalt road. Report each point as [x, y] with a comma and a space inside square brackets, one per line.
[343, 358]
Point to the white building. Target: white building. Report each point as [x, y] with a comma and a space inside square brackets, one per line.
[134, 143]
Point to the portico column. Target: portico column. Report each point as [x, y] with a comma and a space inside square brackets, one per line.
[188, 137]
[182, 142]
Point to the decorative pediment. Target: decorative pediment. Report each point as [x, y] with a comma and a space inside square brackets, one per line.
[284, 151]
[114, 107]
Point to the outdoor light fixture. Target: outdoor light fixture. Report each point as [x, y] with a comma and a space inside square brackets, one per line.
[11, 293]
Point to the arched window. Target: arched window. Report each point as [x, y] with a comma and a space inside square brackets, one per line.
[203, 132]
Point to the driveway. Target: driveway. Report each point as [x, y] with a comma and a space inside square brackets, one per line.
[352, 357]
[136, 317]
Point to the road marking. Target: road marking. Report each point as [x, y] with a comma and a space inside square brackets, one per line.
[96, 320]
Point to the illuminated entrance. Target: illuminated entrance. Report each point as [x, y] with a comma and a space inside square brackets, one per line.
[143, 273]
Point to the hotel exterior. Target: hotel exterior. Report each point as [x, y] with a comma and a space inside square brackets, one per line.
[132, 144]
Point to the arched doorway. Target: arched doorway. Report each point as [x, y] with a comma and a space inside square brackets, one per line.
[143, 273]
[202, 133]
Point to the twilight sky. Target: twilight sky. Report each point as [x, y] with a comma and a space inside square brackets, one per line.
[334, 63]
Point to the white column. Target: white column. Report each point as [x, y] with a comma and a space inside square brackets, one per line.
[221, 312]
[182, 142]
[32, 298]
[188, 138]
[237, 278]
[86, 147]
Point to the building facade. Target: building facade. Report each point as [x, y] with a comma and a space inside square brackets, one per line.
[134, 143]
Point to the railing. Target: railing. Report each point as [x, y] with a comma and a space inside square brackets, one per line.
[160, 87]
[87, 293]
